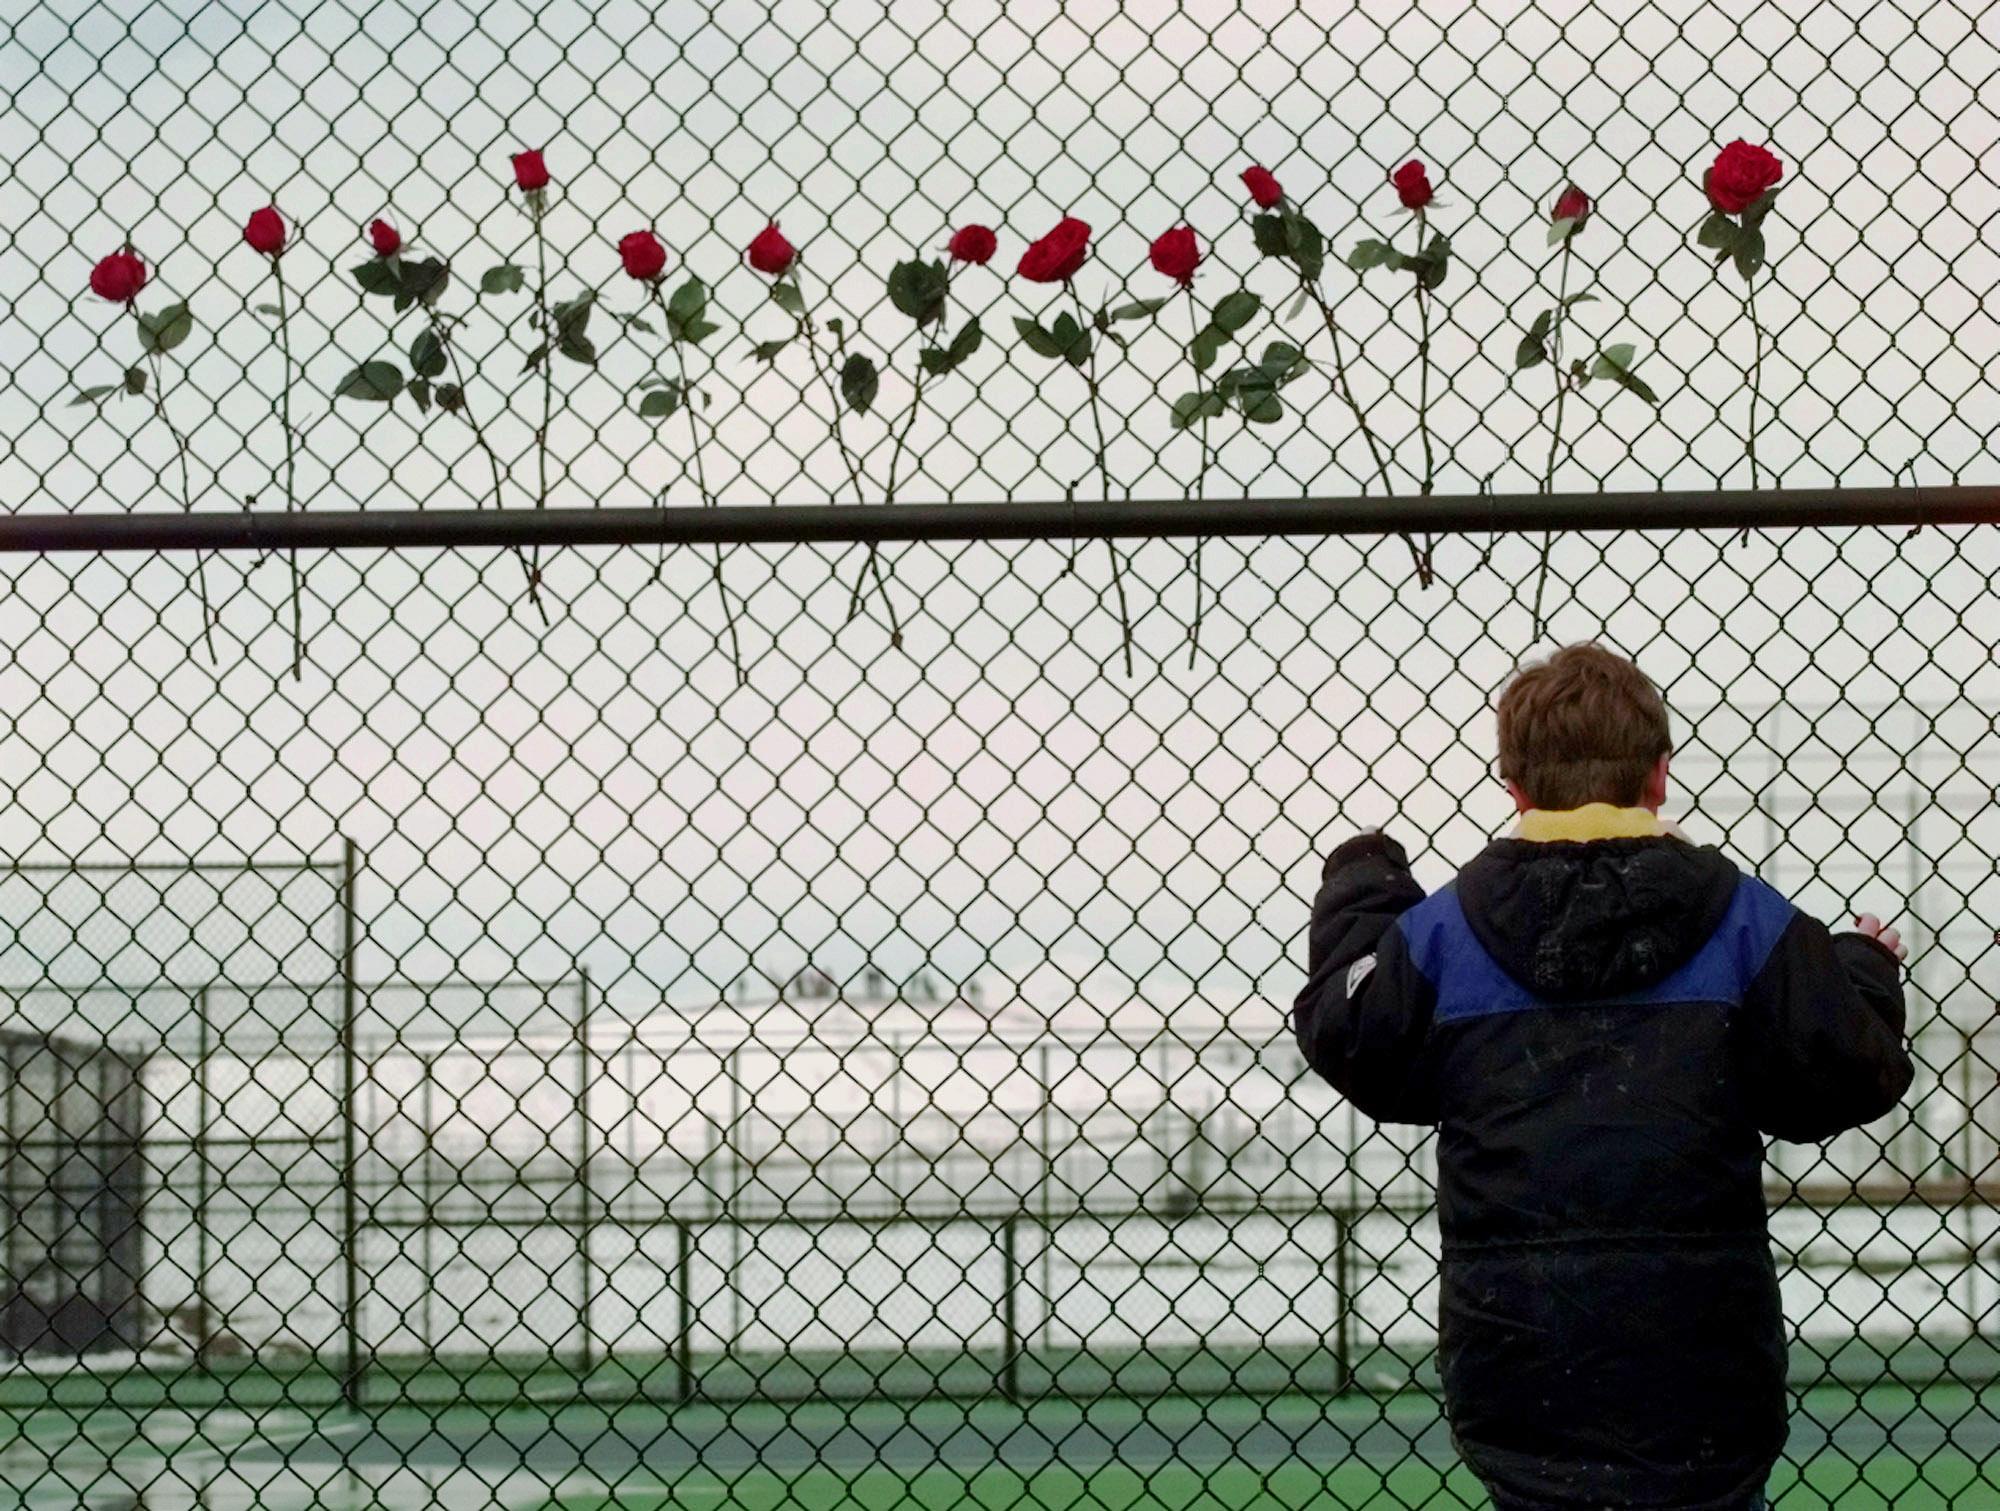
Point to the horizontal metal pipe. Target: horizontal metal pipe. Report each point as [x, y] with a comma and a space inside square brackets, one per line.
[401, 529]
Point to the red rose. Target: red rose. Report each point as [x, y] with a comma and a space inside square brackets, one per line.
[1741, 175]
[265, 231]
[1263, 188]
[1413, 185]
[770, 252]
[973, 244]
[118, 277]
[1176, 254]
[1571, 204]
[1058, 256]
[384, 238]
[530, 172]
[643, 256]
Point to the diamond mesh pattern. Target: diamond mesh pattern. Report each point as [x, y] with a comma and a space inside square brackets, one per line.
[525, 1061]
[900, 1032]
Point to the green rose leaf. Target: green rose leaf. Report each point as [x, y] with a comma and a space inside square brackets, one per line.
[1371, 253]
[379, 277]
[1192, 408]
[377, 382]
[1543, 322]
[1432, 266]
[164, 331]
[135, 380]
[637, 323]
[420, 282]
[688, 301]
[1072, 340]
[1269, 231]
[578, 347]
[1618, 356]
[1560, 231]
[963, 345]
[572, 316]
[1530, 353]
[420, 390]
[661, 402]
[269, 309]
[918, 290]
[653, 380]
[1205, 348]
[1037, 340]
[1304, 244]
[1717, 233]
[767, 351]
[1749, 254]
[1758, 208]
[1579, 299]
[698, 331]
[1141, 309]
[1235, 311]
[1282, 362]
[859, 382]
[95, 395]
[787, 297]
[427, 356]
[504, 279]
[1632, 381]
[536, 358]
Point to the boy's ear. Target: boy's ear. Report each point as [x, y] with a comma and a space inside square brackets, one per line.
[1656, 786]
[1522, 802]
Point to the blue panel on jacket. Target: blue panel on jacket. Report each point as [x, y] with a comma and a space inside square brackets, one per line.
[1471, 984]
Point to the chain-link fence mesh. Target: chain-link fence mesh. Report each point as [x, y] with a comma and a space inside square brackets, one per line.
[764, 1088]
[683, 1041]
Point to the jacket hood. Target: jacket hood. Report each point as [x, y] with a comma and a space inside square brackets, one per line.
[1594, 918]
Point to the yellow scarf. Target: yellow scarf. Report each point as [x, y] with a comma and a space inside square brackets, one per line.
[1591, 821]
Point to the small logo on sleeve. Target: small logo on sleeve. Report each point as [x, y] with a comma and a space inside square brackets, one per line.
[1358, 973]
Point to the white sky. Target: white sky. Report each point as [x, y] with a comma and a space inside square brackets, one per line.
[998, 801]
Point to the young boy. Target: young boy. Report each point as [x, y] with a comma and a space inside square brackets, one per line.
[1601, 1019]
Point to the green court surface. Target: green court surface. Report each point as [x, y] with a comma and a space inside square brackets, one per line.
[1887, 1446]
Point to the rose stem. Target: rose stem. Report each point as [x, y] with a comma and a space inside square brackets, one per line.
[701, 482]
[1103, 466]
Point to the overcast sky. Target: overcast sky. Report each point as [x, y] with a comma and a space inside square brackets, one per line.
[997, 799]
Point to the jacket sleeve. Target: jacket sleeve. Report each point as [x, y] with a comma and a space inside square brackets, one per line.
[1364, 1015]
[1824, 1028]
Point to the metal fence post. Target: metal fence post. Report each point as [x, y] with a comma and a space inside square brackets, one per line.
[1343, 1303]
[684, 1331]
[202, 1113]
[351, 1382]
[1010, 1357]
[584, 1212]
[428, 1112]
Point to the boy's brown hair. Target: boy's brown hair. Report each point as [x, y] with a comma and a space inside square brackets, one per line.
[1584, 726]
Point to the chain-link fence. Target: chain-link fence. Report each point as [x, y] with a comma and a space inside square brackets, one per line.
[794, 1092]
[573, 999]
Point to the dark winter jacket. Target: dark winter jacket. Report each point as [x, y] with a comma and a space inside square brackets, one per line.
[1600, 1031]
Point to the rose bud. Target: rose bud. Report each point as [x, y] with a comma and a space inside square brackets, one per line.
[1176, 255]
[265, 231]
[1058, 256]
[770, 252]
[530, 172]
[973, 244]
[450, 398]
[118, 277]
[644, 258]
[1263, 187]
[1572, 204]
[1413, 185]
[384, 238]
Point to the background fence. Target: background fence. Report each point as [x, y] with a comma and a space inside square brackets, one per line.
[695, 1043]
